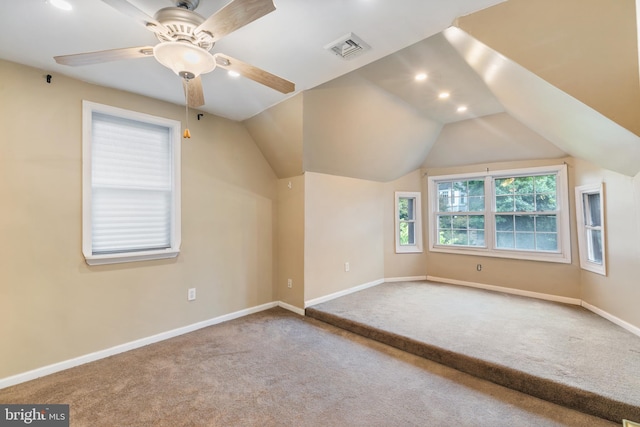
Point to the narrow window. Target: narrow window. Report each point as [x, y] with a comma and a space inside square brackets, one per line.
[590, 220]
[130, 186]
[408, 222]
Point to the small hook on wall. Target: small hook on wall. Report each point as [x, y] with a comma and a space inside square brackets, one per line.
[200, 115]
[49, 76]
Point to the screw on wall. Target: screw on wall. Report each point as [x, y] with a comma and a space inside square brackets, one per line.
[479, 267]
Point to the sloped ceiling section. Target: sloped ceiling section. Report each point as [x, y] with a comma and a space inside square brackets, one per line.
[494, 138]
[586, 48]
[571, 125]
[278, 133]
[353, 128]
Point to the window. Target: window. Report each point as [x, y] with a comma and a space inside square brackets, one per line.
[590, 220]
[512, 214]
[131, 197]
[408, 222]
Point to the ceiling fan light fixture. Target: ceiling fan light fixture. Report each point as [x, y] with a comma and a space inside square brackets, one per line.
[184, 58]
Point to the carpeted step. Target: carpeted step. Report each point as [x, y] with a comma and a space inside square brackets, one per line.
[543, 388]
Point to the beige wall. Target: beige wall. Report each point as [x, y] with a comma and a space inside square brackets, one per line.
[617, 293]
[542, 277]
[408, 264]
[291, 196]
[344, 220]
[53, 306]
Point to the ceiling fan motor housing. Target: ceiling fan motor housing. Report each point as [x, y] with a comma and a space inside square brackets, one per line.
[181, 24]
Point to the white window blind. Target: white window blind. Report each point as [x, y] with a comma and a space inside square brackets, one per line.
[131, 206]
[131, 183]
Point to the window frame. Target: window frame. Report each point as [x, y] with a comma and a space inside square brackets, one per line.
[563, 255]
[582, 228]
[417, 222]
[88, 108]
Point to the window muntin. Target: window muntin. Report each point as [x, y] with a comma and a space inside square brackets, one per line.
[590, 220]
[513, 214]
[131, 186]
[408, 222]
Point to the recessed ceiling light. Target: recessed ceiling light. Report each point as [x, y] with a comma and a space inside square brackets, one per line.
[234, 74]
[61, 4]
[462, 109]
[444, 95]
[421, 76]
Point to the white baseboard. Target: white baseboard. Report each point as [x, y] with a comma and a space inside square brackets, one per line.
[405, 279]
[290, 307]
[101, 354]
[342, 293]
[538, 295]
[610, 317]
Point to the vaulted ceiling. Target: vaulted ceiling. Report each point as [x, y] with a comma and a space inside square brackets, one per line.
[539, 80]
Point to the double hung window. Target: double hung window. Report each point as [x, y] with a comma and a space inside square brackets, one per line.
[131, 199]
[513, 214]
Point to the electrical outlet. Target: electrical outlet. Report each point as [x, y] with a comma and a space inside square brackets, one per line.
[346, 266]
[191, 294]
[289, 283]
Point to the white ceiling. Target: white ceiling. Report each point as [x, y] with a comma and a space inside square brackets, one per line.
[287, 42]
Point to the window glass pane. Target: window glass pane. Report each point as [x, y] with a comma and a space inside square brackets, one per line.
[445, 237]
[524, 203]
[476, 188]
[505, 240]
[476, 222]
[406, 233]
[444, 221]
[546, 184]
[406, 208]
[525, 241]
[504, 186]
[546, 223]
[476, 238]
[546, 202]
[547, 241]
[460, 237]
[504, 204]
[460, 222]
[524, 223]
[592, 206]
[523, 185]
[476, 204]
[595, 246]
[504, 222]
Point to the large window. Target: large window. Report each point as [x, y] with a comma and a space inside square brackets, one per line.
[131, 197]
[408, 222]
[516, 214]
[590, 220]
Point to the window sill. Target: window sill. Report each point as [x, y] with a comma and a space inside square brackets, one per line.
[130, 257]
[520, 255]
[409, 250]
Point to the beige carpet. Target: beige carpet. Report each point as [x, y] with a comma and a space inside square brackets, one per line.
[276, 368]
[561, 353]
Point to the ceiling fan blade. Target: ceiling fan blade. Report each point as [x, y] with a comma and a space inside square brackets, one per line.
[234, 15]
[123, 6]
[193, 92]
[90, 58]
[254, 73]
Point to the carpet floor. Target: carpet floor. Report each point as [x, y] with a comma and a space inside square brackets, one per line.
[276, 368]
[561, 353]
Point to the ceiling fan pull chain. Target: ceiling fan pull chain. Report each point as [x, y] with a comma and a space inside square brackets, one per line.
[186, 133]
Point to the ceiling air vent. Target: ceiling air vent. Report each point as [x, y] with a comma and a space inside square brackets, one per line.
[348, 46]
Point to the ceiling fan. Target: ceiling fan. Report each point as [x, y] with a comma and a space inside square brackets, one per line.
[185, 41]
